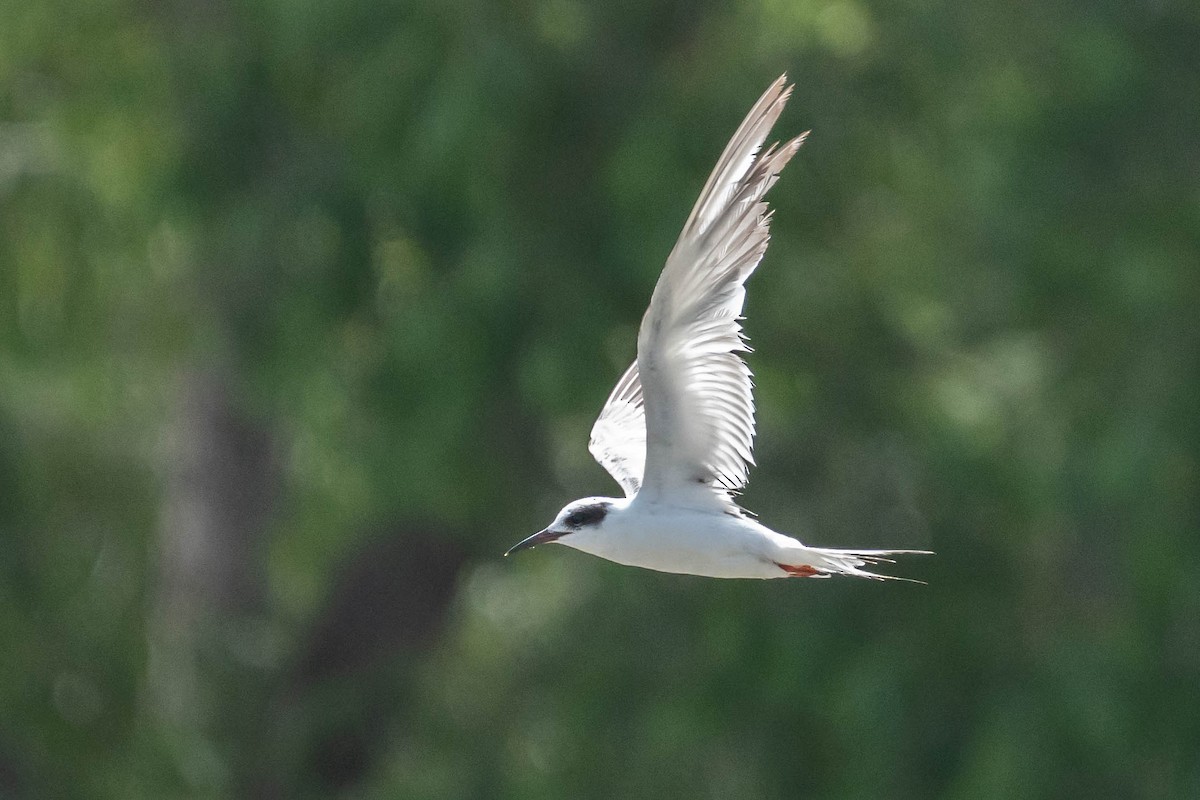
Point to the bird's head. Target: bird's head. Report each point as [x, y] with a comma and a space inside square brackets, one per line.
[580, 517]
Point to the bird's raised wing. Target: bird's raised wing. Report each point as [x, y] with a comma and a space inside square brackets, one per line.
[695, 388]
[702, 411]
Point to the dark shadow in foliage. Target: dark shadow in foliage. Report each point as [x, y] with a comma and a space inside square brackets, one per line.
[346, 696]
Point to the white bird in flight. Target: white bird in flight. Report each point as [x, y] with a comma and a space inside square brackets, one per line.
[678, 429]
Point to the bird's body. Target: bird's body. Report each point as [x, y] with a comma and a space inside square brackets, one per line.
[714, 543]
[678, 429]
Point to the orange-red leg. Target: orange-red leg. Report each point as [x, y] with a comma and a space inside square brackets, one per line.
[798, 570]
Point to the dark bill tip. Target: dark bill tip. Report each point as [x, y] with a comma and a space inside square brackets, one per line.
[541, 537]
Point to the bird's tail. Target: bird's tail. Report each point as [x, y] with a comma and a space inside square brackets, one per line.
[820, 562]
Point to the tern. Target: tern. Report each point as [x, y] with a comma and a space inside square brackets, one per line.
[677, 431]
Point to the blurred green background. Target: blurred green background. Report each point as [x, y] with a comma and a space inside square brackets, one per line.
[306, 309]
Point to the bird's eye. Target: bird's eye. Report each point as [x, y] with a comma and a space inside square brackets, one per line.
[575, 520]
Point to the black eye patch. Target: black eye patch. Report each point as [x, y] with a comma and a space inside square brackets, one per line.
[588, 515]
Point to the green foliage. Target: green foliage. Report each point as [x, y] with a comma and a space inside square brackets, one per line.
[412, 241]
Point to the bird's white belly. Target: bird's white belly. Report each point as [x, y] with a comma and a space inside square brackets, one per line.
[692, 543]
